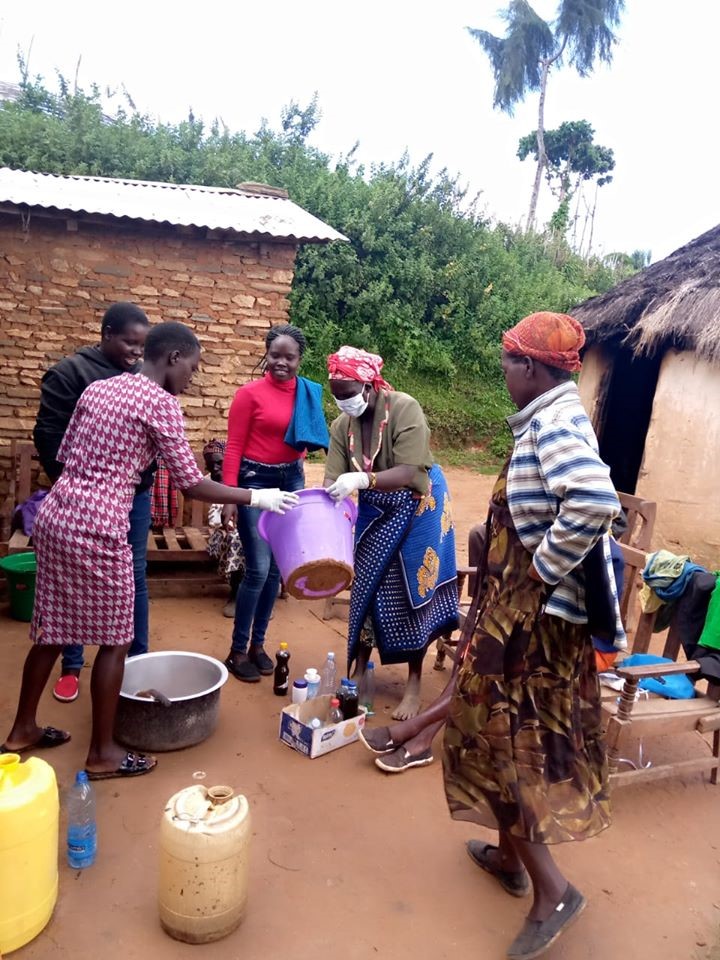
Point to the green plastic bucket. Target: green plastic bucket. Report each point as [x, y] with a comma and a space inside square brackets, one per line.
[20, 569]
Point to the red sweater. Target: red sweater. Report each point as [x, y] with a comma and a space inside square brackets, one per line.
[257, 423]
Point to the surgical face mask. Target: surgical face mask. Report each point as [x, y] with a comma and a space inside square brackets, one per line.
[353, 406]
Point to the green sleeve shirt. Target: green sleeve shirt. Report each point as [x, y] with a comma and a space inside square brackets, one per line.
[405, 440]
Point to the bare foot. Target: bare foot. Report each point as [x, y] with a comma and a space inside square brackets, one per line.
[408, 707]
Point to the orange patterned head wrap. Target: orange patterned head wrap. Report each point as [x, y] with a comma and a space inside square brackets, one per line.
[350, 363]
[551, 338]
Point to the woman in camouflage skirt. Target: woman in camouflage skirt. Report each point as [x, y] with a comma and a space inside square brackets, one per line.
[523, 747]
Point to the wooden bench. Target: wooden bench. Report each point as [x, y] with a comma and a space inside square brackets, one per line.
[186, 543]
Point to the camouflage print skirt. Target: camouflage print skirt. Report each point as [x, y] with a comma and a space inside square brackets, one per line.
[523, 746]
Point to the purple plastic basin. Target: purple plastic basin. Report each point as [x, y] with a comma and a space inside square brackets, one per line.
[313, 544]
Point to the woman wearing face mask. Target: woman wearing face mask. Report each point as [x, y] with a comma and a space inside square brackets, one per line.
[405, 592]
[271, 424]
[85, 589]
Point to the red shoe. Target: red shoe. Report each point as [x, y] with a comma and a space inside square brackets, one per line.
[67, 688]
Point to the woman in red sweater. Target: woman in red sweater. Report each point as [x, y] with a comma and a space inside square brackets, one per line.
[257, 457]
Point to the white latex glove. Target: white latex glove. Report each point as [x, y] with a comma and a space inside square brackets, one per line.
[275, 500]
[348, 483]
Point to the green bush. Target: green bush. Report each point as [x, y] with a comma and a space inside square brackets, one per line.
[425, 281]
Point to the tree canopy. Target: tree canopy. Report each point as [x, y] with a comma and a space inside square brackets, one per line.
[580, 36]
[427, 280]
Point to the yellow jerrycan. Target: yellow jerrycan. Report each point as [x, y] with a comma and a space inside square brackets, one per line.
[29, 810]
[204, 860]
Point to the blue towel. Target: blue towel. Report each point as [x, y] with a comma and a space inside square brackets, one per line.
[675, 686]
[307, 429]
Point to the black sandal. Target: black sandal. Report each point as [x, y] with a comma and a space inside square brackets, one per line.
[133, 765]
[517, 884]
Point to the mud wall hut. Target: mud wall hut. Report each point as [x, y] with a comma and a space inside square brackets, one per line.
[220, 260]
[651, 384]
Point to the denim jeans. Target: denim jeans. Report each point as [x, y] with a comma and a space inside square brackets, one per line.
[72, 656]
[259, 588]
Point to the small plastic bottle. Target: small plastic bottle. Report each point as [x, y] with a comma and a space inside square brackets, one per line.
[312, 678]
[299, 691]
[82, 829]
[335, 713]
[367, 689]
[281, 677]
[328, 682]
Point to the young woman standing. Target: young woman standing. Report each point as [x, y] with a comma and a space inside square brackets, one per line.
[85, 588]
[258, 456]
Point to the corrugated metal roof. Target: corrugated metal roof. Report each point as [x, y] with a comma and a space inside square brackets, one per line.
[214, 208]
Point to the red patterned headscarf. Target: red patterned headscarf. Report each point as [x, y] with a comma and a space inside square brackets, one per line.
[551, 338]
[350, 363]
[214, 446]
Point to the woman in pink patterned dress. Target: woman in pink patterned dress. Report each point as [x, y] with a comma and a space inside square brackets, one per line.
[85, 587]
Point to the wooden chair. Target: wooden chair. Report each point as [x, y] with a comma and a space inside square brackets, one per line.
[656, 716]
[634, 542]
[641, 521]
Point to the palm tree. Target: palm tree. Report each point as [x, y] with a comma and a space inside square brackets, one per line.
[521, 60]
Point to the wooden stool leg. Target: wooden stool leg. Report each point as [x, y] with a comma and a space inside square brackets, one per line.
[440, 655]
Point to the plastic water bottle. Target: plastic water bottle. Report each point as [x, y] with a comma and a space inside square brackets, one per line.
[335, 713]
[328, 682]
[82, 829]
[367, 689]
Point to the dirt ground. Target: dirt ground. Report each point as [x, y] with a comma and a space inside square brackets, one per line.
[349, 862]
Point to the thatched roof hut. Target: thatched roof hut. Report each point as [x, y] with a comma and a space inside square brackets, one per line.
[651, 383]
[675, 302]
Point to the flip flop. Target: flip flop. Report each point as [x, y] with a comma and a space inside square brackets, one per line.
[400, 760]
[516, 884]
[133, 765]
[537, 935]
[50, 737]
[378, 740]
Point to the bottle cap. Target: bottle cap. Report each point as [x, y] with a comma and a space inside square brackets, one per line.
[81, 777]
[316, 723]
[311, 674]
[371, 665]
[334, 702]
[283, 645]
[331, 655]
[345, 682]
[300, 684]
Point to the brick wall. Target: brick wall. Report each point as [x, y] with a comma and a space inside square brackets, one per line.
[55, 284]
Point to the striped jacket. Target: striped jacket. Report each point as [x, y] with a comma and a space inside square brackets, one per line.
[561, 498]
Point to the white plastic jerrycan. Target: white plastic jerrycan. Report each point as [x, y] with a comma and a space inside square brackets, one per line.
[204, 859]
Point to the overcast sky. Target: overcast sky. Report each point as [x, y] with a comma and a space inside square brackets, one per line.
[405, 75]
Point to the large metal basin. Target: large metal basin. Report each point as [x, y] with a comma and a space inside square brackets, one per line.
[190, 681]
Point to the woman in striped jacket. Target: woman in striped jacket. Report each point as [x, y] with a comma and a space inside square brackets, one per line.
[523, 741]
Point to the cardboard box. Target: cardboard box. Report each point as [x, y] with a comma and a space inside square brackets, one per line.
[296, 732]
